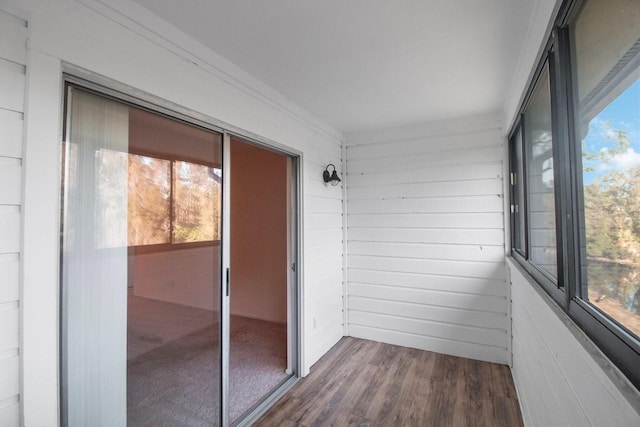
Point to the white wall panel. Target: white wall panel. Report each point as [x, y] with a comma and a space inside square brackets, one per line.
[423, 220]
[560, 376]
[12, 79]
[10, 273]
[11, 182]
[425, 238]
[11, 123]
[471, 236]
[434, 282]
[13, 42]
[9, 339]
[13, 55]
[9, 229]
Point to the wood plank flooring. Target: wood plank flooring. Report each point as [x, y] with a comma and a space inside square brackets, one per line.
[366, 383]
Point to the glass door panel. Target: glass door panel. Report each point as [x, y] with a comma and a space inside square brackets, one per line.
[260, 303]
[141, 267]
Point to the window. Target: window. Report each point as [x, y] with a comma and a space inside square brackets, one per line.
[575, 162]
[172, 201]
[517, 195]
[540, 180]
[149, 201]
[608, 115]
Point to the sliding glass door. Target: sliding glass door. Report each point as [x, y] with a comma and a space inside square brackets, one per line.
[141, 267]
[178, 301]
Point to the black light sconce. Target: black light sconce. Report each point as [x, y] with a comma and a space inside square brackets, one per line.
[331, 177]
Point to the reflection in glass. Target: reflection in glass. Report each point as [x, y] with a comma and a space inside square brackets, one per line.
[518, 195]
[196, 200]
[149, 200]
[141, 328]
[541, 202]
[606, 43]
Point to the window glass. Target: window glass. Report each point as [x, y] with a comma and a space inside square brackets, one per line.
[540, 178]
[606, 39]
[149, 200]
[517, 180]
[196, 202]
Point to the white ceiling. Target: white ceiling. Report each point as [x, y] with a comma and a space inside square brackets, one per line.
[366, 64]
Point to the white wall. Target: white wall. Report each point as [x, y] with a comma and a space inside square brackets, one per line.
[13, 56]
[560, 376]
[107, 40]
[183, 276]
[259, 263]
[426, 238]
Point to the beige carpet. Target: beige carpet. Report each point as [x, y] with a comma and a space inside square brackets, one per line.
[173, 370]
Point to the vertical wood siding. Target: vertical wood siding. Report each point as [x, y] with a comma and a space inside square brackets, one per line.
[559, 382]
[13, 42]
[425, 239]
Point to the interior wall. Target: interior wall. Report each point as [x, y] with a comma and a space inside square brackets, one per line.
[425, 238]
[13, 59]
[560, 376]
[185, 276]
[124, 45]
[258, 233]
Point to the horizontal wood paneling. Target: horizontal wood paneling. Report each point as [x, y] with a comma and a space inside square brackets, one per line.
[415, 310]
[488, 303]
[428, 251]
[453, 157]
[419, 190]
[454, 236]
[9, 229]
[425, 240]
[9, 377]
[467, 204]
[9, 325]
[431, 174]
[10, 273]
[10, 412]
[434, 282]
[323, 205]
[11, 124]
[323, 252]
[561, 378]
[13, 43]
[11, 182]
[13, 57]
[323, 237]
[424, 144]
[469, 334]
[464, 221]
[326, 221]
[478, 270]
[12, 79]
[439, 345]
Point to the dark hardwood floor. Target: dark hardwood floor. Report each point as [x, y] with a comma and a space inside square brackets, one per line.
[366, 383]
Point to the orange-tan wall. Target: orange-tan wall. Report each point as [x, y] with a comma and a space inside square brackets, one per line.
[258, 233]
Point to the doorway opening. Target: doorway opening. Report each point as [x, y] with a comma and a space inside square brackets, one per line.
[260, 263]
[144, 303]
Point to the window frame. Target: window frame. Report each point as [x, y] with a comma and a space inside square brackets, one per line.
[622, 348]
[134, 102]
[172, 245]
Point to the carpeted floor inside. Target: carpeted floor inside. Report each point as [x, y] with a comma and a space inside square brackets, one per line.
[173, 372]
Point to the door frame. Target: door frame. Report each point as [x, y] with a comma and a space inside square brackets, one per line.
[294, 276]
[135, 97]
